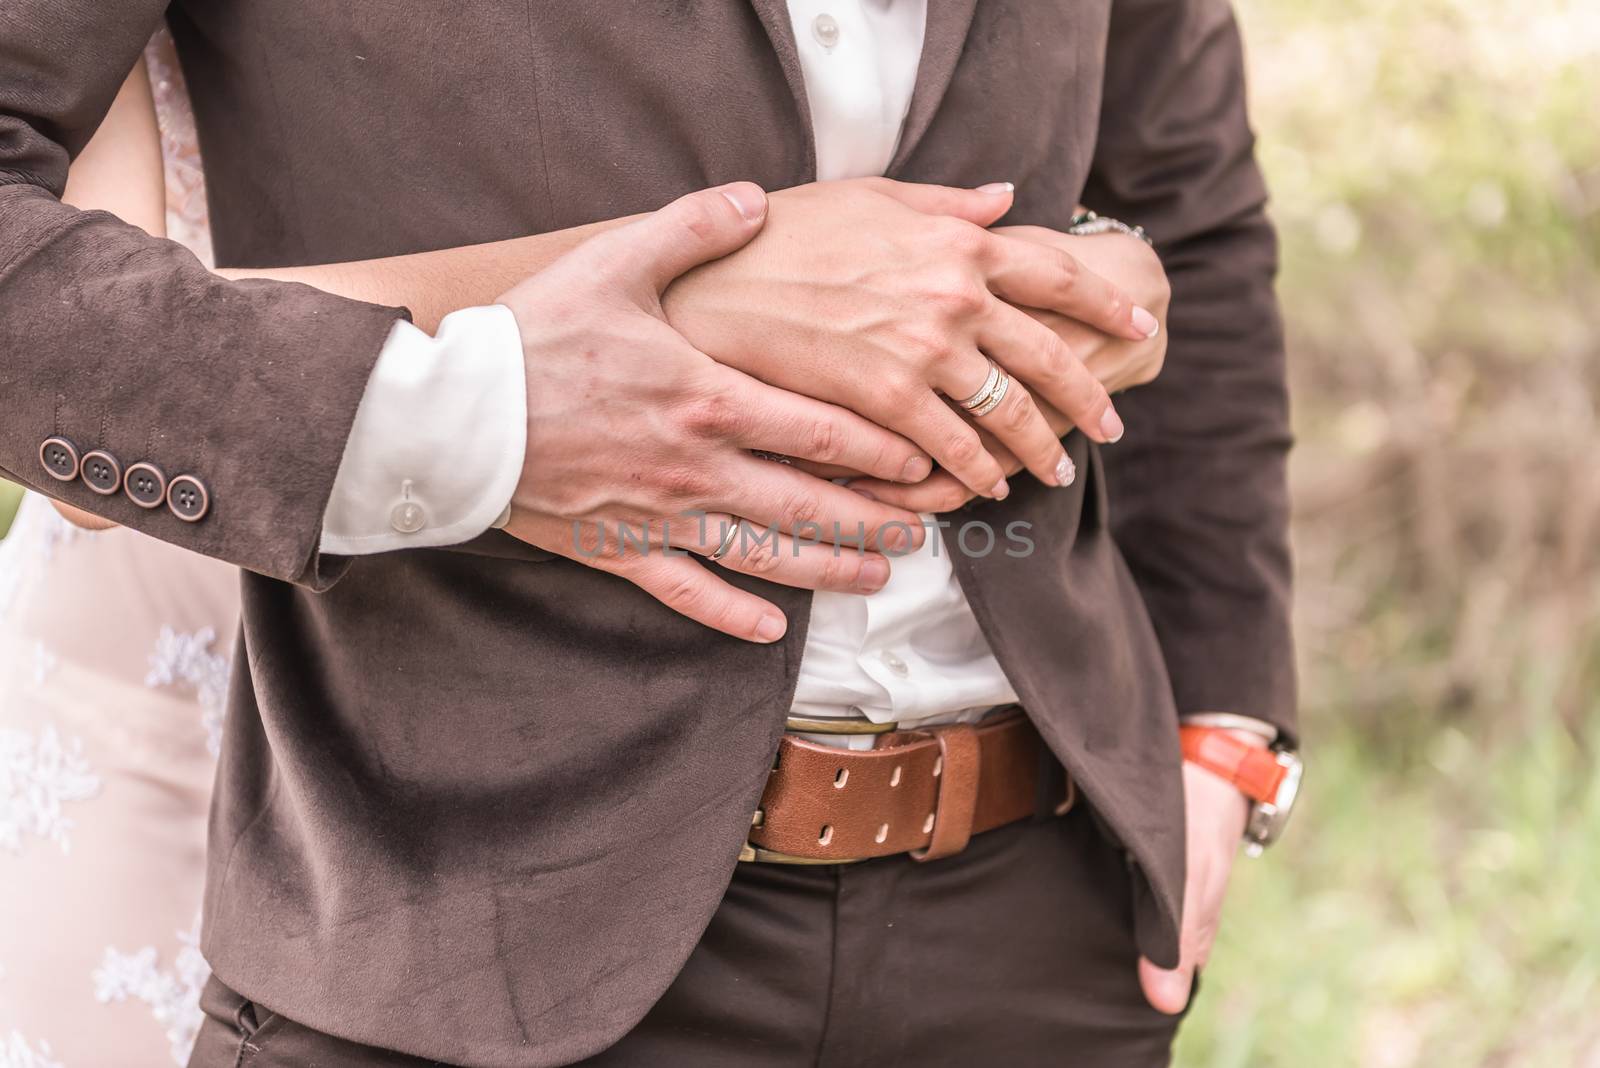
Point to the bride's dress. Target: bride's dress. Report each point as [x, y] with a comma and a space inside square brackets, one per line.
[114, 656]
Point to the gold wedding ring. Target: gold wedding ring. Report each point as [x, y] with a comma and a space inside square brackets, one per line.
[990, 394]
[727, 540]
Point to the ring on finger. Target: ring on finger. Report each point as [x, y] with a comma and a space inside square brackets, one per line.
[727, 540]
[992, 401]
[990, 384]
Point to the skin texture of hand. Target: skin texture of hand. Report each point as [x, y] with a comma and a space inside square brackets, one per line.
[630, 424]
[1215, 817]
[885, 297]
[1116, 362]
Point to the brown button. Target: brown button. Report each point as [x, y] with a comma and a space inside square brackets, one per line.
[102, 472]
[145, 484]
[60, 458]
[188, 498]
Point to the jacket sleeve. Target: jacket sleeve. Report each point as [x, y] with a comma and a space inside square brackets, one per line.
[117, 341]
[1198, 488]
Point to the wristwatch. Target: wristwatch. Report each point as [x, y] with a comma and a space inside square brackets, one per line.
[1270, 778]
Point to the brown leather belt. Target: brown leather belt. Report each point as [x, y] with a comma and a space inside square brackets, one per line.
[923, 792]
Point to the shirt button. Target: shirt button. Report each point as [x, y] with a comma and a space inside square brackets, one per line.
[408, 517]
[894, 663]
[825, 28]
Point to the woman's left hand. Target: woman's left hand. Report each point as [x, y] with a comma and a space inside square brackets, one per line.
[1119, 364]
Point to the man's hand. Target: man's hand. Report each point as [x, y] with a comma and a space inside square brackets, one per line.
[880, 296]
[1216, 813]
[1116, 362]
[629, 424]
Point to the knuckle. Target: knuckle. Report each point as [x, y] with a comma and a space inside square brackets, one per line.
[679, 593]
[825, 441]
[964, 239]
[760, 556]
[1068, 272]
[709, 414]
[801, 508]
[1019, 410]
[832, 574]
[681, 483]
[959, 296]
[963, 447]
[699, 217]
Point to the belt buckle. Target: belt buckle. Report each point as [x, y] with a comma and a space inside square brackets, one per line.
[755, 854]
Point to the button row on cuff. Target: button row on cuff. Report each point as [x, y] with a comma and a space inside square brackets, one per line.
[144, 483]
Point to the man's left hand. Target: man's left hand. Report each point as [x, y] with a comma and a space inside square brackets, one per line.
[1216, 817]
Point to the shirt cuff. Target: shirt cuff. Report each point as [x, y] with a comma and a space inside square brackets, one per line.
[437, 446]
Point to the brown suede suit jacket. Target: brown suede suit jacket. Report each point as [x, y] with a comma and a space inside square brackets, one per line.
[478, 804]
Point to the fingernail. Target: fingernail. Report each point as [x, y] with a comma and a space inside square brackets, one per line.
[917, 469]
[771, 628]
[1000, 491]
[997, 188]
[859, 490]
[1111, 426]
[1066, 471]
[1145, 323]
[873, 574]
[1177, 986]
[749, 199]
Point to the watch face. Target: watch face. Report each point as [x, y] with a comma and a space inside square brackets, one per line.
[1268, 819]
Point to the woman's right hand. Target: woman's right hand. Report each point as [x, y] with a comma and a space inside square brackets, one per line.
[886, 298]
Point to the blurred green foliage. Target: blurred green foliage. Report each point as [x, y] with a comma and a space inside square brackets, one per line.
[10, 495]
[1436, 176]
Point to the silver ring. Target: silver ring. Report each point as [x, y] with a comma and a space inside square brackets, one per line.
[727, 540]
[993, 400]
[775, 457]
[989, 385]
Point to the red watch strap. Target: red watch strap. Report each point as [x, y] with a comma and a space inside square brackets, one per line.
[1255, 771]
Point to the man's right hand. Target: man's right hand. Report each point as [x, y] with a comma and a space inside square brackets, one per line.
[630, 425]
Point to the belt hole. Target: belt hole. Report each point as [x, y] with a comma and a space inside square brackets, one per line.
[894, 780]
[827, 834]
[938, 765]
[927, 824]
[882, 835]
[841, 777]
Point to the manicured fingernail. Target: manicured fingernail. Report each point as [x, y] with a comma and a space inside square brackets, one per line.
[1111, 426]
[873, 574]
[997, 188]
[917, 469]
[1066, 471]
[771, 628]
[749, 199]
[1145, 323]
[1000, 490]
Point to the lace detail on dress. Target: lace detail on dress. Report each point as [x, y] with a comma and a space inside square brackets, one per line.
[16, 1052]
[38, 775]
[173, 996]
[188, 659]
[187, 219]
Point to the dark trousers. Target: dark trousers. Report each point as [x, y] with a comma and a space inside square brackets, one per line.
[1018, 951]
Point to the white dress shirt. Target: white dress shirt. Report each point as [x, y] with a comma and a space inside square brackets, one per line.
[439, 437]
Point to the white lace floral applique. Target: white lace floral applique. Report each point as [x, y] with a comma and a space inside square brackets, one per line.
[18, 1052]
[173, 996]
[187, 659]
[38, 775]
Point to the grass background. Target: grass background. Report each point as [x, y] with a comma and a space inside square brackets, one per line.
[1436, 169]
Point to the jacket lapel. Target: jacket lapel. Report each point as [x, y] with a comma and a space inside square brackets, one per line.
[774, 15]
[948, 23]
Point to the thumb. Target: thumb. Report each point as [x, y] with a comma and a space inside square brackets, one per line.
[1166, 991]
[692, 230]
[983, 206]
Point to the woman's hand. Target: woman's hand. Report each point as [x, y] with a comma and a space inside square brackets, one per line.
[880, 296]
[79, 518]
[1116, 362]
